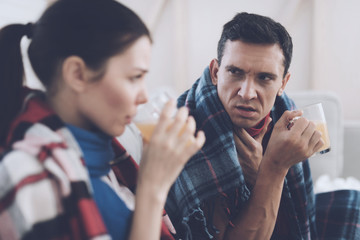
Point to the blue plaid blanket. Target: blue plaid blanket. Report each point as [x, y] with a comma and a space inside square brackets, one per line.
[338, 215]
[215, 171]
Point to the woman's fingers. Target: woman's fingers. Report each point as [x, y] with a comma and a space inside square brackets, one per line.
[200, 140]
[165, 116]
[194, 144]
[178, 131]
[180, 123]
[187, 130]
[187, 138]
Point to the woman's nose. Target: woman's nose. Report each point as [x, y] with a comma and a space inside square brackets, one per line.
[143, 96]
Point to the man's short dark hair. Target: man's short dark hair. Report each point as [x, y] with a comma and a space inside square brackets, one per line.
[257, 29]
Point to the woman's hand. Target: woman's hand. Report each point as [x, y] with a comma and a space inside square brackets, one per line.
[171, 146]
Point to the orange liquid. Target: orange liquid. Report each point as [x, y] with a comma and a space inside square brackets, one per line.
[146, 130]
[322, 127]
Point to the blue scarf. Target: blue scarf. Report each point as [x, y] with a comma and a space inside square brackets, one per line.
[215, 171]
[98, 152]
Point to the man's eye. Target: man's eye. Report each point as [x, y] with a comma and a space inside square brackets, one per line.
[238, 73]
[233, 71]
[265, 78]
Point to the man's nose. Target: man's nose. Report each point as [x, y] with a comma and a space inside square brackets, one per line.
[247, 89]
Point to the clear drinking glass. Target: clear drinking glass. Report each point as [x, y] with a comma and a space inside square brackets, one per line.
[148, 114]
[315, 113]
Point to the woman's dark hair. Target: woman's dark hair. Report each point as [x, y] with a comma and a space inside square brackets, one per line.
[94, 30]
[253, 28]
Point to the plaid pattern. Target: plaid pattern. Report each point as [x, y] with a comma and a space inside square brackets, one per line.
[45, 191]
[338, 215]
[215, 171]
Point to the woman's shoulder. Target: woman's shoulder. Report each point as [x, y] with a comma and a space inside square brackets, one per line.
[42, 155]
[38, 177]
[24, 163]
[25, 184]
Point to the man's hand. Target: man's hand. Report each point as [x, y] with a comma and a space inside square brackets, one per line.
[250, 151]
[289, 146]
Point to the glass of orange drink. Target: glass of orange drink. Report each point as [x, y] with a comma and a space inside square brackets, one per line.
[315, 113]
[149, 113]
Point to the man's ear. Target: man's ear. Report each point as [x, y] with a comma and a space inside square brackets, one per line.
[74, 73]
[283, 84]
[214, 68]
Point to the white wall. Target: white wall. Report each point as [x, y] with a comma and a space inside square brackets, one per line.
[23, 11]
[205, 26]
[337, 50]
[185, 32]
[325, 35]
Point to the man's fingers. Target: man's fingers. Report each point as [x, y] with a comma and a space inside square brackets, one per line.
[238, 139]
[243, 138]
[262, 133]
[309, 130]
[319, 145]
[317, 141]
[289, 115]
[300, 125]
[287, 119]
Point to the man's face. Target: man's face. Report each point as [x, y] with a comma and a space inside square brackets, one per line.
[248, 80]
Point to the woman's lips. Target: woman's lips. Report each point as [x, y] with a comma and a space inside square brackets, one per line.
[129, 119]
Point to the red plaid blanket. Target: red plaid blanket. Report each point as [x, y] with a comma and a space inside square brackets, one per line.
[45, 192]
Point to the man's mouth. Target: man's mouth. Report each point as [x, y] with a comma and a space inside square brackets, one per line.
[246, 111]
[245, 108]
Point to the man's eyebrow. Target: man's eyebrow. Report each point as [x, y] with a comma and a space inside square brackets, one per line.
[272, 75]
[232, 67]
[268, 74]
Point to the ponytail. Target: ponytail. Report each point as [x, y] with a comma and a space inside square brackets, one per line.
[91, 30]
[11, 74]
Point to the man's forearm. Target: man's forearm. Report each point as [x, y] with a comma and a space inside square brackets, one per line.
[257, 221]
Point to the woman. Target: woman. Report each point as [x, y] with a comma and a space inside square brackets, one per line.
[62, 173]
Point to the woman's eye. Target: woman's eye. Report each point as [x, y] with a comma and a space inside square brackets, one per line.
[137, 77]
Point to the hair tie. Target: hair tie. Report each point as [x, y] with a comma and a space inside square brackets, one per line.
[29, 30]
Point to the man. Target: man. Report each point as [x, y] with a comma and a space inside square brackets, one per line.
[251, 180]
